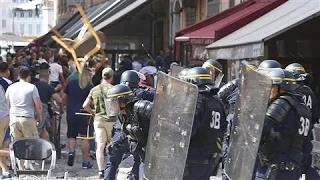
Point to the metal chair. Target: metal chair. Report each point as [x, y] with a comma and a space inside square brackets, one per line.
[32, 149]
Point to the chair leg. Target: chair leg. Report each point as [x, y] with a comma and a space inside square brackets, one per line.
[48, 175]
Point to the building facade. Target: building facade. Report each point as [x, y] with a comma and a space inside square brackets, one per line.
[65, 9]
[29, 19]
[185, 13]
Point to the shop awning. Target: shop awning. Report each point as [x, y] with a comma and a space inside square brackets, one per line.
[226, 22]
[248, 42]
[92, 16]
[112, 11]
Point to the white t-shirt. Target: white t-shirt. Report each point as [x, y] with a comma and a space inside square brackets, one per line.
[20, 96]
[55, 69]
[40, 61]
[136, 66]
[3, 104]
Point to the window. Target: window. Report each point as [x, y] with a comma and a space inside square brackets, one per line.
[30, 13]
[4, 12]
[213, 7]
[29, 29]
[21, 14]
[4, 23]
[38, 29]
[21, 28]
[231, 3]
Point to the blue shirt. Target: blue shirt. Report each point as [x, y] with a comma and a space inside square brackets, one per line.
[45, 91]
[76, 97]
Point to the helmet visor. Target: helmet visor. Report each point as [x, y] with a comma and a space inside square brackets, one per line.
[112, 106]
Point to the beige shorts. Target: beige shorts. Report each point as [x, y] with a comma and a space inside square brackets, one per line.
[4, 124]
[22, 127]
[103, 131]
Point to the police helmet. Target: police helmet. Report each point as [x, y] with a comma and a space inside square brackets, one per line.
[283, 78]
[116, 96]
[266, 64]
[130, 78]
[213, 64]
[198, 76]
[252, 66]
[182, 74]
[297, 70]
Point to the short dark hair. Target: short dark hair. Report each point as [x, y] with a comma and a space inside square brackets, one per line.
[4, 67]
[24, 72]
[170, 48]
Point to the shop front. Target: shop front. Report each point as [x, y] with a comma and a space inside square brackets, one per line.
[289, 33]
[190, 42]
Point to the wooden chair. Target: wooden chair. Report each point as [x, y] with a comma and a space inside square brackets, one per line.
[88, 43]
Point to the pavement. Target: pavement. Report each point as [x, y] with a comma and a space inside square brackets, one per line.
[76, 172]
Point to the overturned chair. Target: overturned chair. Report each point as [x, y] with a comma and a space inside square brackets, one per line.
[36, 149]
[88, 43]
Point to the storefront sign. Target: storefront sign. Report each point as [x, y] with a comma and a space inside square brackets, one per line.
[238, 52]
[201, 41]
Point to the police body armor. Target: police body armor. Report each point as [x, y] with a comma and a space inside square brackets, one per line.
[280, 142]
[138, 120]
[310, 100]
[228, 95]
[209, 138]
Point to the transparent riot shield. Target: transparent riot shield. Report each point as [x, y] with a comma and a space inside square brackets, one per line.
[251, 106]
[170, 128]
[175, 70]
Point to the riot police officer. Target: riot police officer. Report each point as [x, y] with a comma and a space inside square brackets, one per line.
[286, 127]
[182, 73]
[132, 79]
[268, 64]
[208, 128]
[310, 100]
[134, 115]
[115, 155]
[215, 69]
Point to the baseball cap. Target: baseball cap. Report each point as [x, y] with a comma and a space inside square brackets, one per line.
[107, 72]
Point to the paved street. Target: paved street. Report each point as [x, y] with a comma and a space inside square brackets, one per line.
[76, 172]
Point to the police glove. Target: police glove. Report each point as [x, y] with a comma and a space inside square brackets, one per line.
[113, 147]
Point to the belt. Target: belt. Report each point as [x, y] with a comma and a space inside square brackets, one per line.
[283, 166]
[286, 166]
[22, 117]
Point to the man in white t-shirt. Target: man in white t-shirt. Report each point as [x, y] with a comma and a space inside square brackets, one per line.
[24, 100]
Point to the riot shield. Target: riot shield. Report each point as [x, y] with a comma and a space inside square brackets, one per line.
[251, 106]
[170, 128]
[175, 70]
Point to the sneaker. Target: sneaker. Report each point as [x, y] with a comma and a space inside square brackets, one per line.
[2, 176]
[101, 174]
[71, 158]
[92, 155]
[86, 165]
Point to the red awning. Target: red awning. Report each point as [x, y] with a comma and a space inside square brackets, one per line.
[226, 22]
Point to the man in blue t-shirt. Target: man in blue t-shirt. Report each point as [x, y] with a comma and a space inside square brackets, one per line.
[77, 125]
[46, 93]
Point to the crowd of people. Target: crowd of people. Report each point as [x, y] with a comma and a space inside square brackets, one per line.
[33, 81]
[120, 103]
